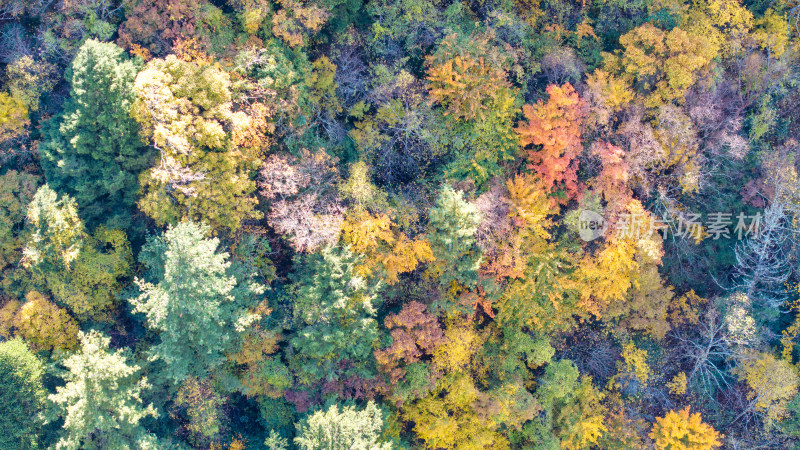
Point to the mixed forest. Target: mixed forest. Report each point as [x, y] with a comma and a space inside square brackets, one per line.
[399, 224]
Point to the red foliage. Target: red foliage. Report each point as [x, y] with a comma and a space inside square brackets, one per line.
[155, 25]
[415, 334]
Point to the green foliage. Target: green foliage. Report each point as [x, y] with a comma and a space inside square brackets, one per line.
[342, 430]
[191, 299]
[451, 233]
[469, 75]
[413, 180]
[331, 306]
[101, 403]
[16, 192]
[22, 396]
[573, 414]
[57, 232]
[99, 273]
[83, 272]
[94, 152]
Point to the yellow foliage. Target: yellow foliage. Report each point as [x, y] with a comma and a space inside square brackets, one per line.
[366, 234]
[686, 308]
[405, 257]
[461, 343]
[44, 325]
[238, 444]
[607, 276]
[635, 362]
[591, 424]
[252, 19]
[646, 303]
[297, 21]
[614, 93]
[663, 65]
[322, 82]
[446, 418]
[678, 384]
[679, 430]
[772, 33]
[13, 116]
[530, 205]
[469, 87]
[372, 236]
[773, 383]
[724, 23]
[787, 336]
[7, 313]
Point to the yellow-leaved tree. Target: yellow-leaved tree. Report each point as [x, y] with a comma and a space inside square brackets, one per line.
[680, 430]
[773, 382]
[386, 252]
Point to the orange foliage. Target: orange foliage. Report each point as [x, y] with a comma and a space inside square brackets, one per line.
[612, 180]
[393, 252]
[468, 87]
[556, 127]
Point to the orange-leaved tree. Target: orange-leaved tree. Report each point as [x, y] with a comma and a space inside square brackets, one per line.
[555, 126]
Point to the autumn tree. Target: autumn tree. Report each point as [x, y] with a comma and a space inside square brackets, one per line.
[22, 395]
[94, 152]
[209, 148]
[386, 251]
[298, 20]
[555, 125]
[539, 291]
[262, 372]
[772, 384]
[14, 122]
[190, 297]
[545, 298]
[57, 231]
[447, 417]
[152, 27]
[644, 306]
[101, 404]
[45, 326]
[16, 192]
[682, 430]
[415, 334]
[303, 203]
[468, 87]
[84, 272]
[200, 410]
[660, 66]
[612, 181]
[573, 416]
[468, 76]
[30, 79]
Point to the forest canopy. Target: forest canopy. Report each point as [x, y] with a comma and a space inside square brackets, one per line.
[408, 224]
